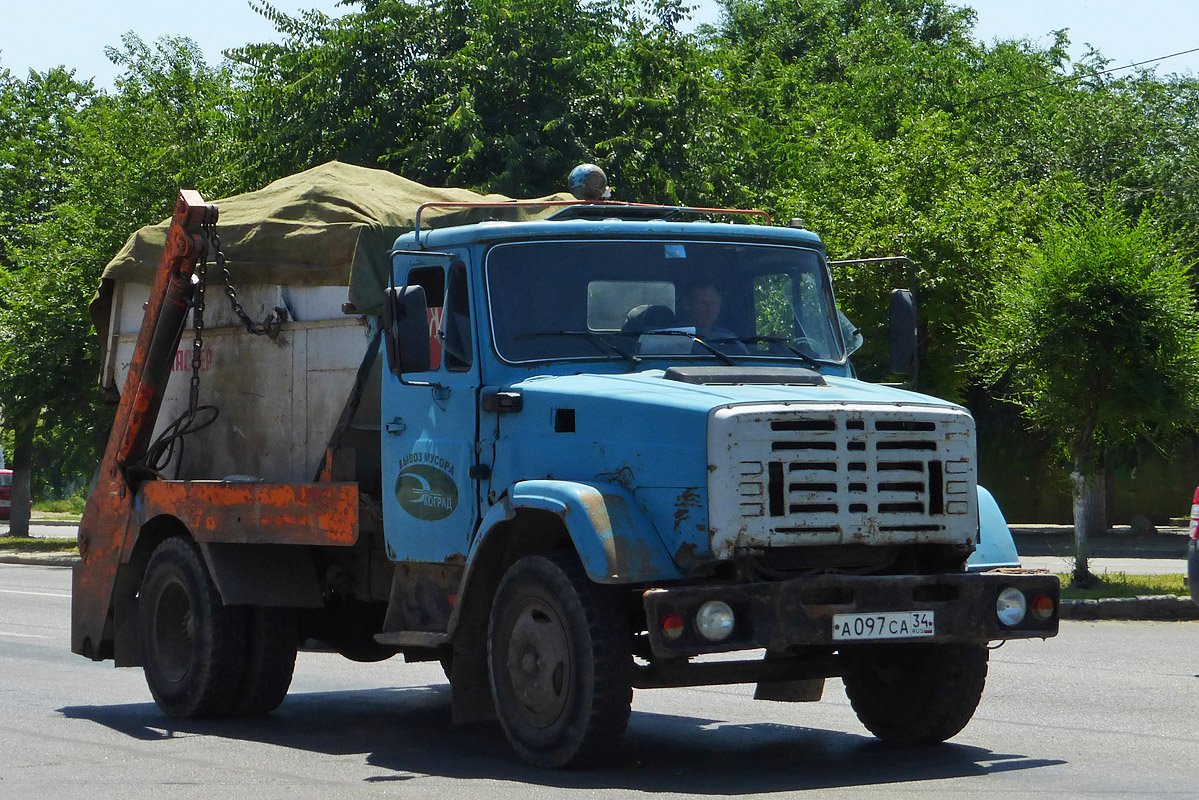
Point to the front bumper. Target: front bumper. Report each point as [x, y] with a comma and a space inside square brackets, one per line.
[783, 614]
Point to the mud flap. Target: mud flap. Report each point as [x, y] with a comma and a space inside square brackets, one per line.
[263, 575]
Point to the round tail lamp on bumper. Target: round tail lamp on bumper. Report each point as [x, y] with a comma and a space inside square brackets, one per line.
[1041, 607]
[672, 626]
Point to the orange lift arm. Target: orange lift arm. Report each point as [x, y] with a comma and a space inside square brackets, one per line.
[103, 529]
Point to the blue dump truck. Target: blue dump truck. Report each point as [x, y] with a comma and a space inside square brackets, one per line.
[614, 447]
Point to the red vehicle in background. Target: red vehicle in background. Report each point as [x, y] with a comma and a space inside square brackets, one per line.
[5, 493]
[1193, 550]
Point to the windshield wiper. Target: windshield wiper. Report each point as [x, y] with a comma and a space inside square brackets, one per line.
[673, 332]
[592, 337]
[783, 340]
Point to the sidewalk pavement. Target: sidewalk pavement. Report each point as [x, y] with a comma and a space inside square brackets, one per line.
[1048, 547]
[44, 528]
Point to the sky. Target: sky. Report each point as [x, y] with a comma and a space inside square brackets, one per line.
[40, 34]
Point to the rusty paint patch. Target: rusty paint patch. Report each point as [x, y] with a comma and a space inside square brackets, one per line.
[426, 595]
[261, 513]
[684, 504]
[622, 477]
[597, 511]
[685, 557]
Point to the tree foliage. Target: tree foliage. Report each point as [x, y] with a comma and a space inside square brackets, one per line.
[1096, 336]
[500, 95]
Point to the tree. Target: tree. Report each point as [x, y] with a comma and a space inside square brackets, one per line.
[1096, 337]
[166, 126]
[47, 358]
[495, 95]
[40, 161]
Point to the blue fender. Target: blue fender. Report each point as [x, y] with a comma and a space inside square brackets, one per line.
[996, 547]
[615, 540]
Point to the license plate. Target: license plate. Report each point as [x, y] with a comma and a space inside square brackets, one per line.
[883, 625]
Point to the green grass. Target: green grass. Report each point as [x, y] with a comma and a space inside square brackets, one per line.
[70, 507]
[28, 545]
[1120, 584]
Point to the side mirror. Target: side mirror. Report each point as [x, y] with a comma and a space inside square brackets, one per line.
[901, 332]
[406, 329]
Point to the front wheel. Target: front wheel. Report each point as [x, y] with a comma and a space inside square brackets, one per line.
[915, 693]
[559, 663]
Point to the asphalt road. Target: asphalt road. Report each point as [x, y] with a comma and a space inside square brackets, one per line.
[1105, 710]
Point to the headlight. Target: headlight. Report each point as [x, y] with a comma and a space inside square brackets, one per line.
[715, 620]
[1011, 606]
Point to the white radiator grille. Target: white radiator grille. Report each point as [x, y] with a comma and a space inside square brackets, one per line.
[826, 474]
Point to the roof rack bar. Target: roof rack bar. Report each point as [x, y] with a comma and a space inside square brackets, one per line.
[765, 215]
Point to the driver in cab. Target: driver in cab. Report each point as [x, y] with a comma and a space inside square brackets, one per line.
[701, 304]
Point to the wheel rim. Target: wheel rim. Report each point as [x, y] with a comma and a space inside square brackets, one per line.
[174, 631]
[538, 663]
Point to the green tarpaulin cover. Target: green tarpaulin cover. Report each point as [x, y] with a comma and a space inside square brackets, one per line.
[331, 225]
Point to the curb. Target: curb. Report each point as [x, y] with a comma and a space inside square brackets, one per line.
[1161, 608]
[41, 559]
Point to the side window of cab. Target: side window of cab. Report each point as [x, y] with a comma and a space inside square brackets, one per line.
[455, 325]
[448, 299]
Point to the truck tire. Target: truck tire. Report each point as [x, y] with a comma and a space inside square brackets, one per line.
[915, 693]
[559, 662]
[271, 644]
[192, 645]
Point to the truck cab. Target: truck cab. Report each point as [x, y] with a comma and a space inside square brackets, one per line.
[567, 353]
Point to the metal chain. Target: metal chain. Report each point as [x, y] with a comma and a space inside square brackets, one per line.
[193, 399]
[271, 325]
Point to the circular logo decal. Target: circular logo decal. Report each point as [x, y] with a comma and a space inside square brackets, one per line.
[426, 492]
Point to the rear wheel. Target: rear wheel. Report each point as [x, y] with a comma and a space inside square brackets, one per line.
[270, 659]
[915, 693]
[559, 663]
[192, 645]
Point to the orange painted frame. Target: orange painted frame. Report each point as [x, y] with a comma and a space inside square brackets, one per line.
[255, 513]
[102, 531]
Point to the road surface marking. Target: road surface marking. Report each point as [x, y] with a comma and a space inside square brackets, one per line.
[22, 635]
[34, 594]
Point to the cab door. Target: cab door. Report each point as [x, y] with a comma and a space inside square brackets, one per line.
[430, 422]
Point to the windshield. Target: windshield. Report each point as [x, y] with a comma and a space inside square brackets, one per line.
[683, 300]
